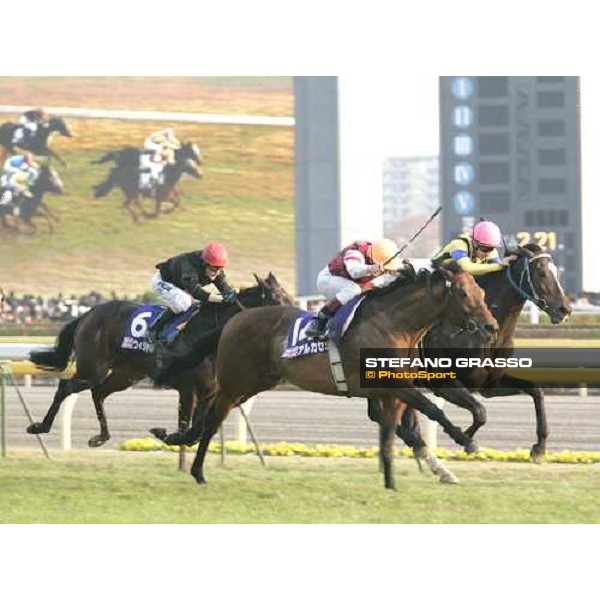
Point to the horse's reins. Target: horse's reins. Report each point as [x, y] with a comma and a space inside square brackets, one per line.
[526, 277]
[471, 327]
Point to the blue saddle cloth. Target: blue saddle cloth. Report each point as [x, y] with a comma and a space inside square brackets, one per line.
[299, 345]
[135, 335]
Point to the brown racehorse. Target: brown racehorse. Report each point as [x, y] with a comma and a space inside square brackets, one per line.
[105, 368]
[532, 276]
[249, 354]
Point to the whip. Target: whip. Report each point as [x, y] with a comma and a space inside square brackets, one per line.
[414, 237]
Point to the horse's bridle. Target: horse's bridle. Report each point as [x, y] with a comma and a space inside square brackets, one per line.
[471, 326]
[263, 298]
[525, 279]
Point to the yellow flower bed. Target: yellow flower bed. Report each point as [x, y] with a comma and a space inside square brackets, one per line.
[331, 451]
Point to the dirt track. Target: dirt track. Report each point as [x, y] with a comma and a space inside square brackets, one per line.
[301, 417]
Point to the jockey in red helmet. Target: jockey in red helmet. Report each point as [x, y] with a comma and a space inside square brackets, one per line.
[179, 282]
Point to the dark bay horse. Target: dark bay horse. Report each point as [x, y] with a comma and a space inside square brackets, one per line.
[126, 176]
[104, 368]
[24, 210]
[531, 276]
[38, 144]
[249, 354]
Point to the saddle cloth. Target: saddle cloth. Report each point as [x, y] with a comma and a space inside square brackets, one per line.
[151, 172]
[299, 345]
[135, 335]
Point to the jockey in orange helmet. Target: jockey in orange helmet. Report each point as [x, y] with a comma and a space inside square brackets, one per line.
[355, 268]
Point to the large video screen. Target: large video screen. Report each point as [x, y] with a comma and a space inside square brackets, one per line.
[240, 193]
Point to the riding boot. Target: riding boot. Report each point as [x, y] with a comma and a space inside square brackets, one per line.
[318, 326]
[154, 329]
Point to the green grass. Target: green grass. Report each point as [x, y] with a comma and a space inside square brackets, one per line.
[112, 487]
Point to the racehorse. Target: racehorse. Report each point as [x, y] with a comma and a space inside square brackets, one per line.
[249, 354]
[531, 276]
[38, 144]
[126, 176]
[104, 368]
[25, 209]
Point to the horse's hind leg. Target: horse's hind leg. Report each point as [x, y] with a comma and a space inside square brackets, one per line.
[115, 382]
[66, 387]
[216, 414]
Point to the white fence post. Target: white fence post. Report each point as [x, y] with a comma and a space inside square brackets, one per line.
[242, 428]
[65, 428]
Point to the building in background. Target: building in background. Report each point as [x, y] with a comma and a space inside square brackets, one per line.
[510, 151]
[411, 192]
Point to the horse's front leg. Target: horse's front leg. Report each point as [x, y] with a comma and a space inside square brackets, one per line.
[510, 386]
[387, 427]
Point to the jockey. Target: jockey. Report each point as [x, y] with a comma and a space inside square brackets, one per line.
[162, 144]
[20, 173]
[30, 121]
[475, 252]
[357, 267]
[179, 282]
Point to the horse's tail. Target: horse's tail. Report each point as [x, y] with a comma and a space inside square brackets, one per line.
[58, 358]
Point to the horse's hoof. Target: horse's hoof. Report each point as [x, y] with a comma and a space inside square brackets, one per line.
[391, 487]
[159, 433]
[36, 428]
[199, 479]
[537, 455]
[97, 441]
[471, 448]
[449, 478]
[174, 439]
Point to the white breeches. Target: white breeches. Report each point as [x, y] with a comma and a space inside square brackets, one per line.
[177, 300]
[332, 286]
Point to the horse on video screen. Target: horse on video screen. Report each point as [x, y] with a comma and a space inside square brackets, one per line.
[23, 210]
[127, 172]
[38, 143]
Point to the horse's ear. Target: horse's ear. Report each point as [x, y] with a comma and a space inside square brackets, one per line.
[259, 280]
[271, 278]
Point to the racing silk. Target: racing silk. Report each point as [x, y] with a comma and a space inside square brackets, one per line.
[354, 263]
[187, 272]
[32, 116]
[17, 163]
[462, 252]
[18, 175]
[162, 139]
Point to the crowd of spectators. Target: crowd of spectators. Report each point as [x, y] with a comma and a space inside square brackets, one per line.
[29, 308]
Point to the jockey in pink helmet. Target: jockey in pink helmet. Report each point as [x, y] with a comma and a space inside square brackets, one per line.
[475, 252]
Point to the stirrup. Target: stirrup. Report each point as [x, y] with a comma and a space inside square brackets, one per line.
[316, 328]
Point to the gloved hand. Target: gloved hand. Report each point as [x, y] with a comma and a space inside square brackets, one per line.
[229, 298]
[509, 260]
[376, 270]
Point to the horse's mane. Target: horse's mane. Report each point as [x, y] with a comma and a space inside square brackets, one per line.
[423, 276]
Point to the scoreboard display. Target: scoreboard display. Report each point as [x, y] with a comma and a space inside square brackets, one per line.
[510, 152]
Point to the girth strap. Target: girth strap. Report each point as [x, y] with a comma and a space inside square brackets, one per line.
[337, 369]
